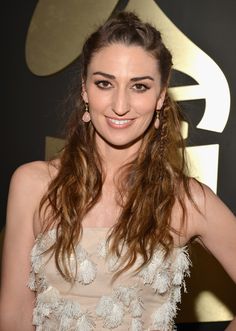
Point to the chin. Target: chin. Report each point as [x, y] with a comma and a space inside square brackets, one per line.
[118, 141]
[122, 144]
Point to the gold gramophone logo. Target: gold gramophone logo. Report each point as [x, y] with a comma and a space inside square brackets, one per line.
[55, 37]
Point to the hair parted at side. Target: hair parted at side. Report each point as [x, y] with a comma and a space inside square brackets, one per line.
[148, 187]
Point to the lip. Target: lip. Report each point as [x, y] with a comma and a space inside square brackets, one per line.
[119, 123]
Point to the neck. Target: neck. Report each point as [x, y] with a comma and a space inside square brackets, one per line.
[115, 157]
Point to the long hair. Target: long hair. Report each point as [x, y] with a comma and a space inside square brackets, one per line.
[148, 187]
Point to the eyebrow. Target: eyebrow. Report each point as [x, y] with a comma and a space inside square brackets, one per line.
[134, 79]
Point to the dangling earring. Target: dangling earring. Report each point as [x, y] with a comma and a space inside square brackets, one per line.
[86, 116]
[157, 120]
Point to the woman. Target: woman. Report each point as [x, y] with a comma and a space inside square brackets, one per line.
[113, 216]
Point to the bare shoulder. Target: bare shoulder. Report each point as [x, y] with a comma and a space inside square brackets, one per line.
[193, 211]
[205, 206]
[38, 173]
[204, 212]
[34, 177]
[214, 224]
[28, 185]
[198, 192]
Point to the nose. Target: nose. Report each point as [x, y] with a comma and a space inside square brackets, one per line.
[120, 105]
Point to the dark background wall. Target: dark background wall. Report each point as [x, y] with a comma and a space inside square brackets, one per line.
[32, 106]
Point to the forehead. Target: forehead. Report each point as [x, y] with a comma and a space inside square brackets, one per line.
[119, 59]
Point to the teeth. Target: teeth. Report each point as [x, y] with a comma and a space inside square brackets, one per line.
[119, 122]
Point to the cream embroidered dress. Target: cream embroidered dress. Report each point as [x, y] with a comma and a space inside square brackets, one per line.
[143, 302]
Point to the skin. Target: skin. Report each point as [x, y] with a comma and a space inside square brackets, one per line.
[117, 97]
[127, 87]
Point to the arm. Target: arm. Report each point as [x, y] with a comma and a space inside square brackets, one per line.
[216, 228]
[16, 299]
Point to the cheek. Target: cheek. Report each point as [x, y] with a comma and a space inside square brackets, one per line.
[98, 102]
[96, 106]
[145, 106]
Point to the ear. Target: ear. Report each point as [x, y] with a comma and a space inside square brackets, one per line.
[84, 92]
[161, 99]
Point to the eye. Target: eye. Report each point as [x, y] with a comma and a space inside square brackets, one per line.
[140, 87]
[103, 84]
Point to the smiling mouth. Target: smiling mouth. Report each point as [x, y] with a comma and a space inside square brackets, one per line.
[119, 123]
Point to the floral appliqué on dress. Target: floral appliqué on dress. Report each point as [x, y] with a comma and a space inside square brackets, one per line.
[164, 276]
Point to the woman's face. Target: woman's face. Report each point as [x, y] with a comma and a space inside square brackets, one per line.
[123, 90]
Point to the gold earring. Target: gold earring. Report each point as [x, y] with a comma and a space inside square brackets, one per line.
[157, 120]
[86, 116]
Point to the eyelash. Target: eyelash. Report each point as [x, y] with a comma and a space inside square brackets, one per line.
[105, 85]
[142, 89]
[100, 84]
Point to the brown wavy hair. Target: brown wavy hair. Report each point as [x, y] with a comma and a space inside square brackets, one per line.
[148, 187]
